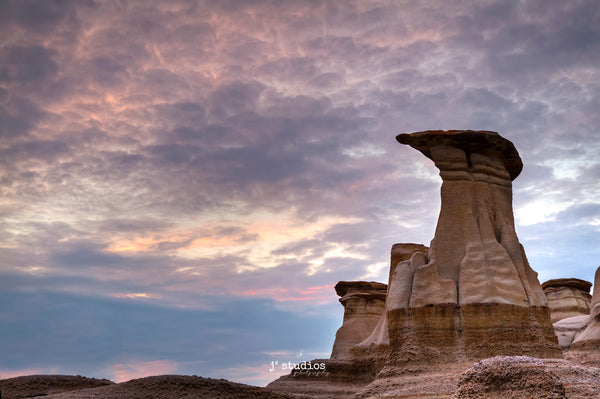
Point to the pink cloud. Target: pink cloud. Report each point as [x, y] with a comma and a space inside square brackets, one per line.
[4, 374]
[138, 369]
[322, 293]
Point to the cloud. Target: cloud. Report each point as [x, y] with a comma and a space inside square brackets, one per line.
[27, 64]
[184, 157]
[11, 373]
[138, 369]
[124, 338]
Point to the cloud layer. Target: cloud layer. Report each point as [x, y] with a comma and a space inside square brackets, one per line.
[192, 155]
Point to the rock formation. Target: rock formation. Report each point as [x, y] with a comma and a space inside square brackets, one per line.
[351, 367]
[473, 295]
[567, 297]
[379, 339]
[526, 377]
[364, 303]
[592, 331]
[470, 296]
[585, 348]
[567, 329]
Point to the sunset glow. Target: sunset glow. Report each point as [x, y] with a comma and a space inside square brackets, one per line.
[182, 184]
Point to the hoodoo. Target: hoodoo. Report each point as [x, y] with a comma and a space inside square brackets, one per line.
[364, 303]
[470, 295]
[474, 294]
[568, 297]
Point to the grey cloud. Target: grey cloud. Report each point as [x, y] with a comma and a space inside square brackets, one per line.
[83, 255]
[119, 331]
[525, 41]
[201, 110]
[330, 48]
[532, 174]
[300, 69]
[354, 233]
[482, 97]
[592, 172]
[42, 150]
[299, 247]
[170, 154]
[194, 35]
[253, 164]
[42, 16]
[108, 72]
[579, 213]
[182, 114]
[27, 64]
[234, 99]
[19, 116]
[134, 225]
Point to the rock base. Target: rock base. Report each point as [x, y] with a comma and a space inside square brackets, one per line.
[526, 377]
[452, 333]
[586, 353]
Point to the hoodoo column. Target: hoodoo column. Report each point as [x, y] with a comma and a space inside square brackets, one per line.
[474, 295]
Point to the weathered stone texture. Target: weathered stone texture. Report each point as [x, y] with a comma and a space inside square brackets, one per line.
[364, 304]
[400, 258]
[585, 348]
[475, 256]
[470, 296]
[473, 294]
[592, 331]
[526, 377]
[567, 297]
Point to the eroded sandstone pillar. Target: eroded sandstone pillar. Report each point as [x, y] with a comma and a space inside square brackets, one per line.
[585, 348]
[567, 297]
[364, 305]
[473, 295]
[591, 335]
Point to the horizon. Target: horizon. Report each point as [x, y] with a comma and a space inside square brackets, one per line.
[182, 184]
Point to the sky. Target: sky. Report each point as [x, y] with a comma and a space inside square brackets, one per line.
[183, 183]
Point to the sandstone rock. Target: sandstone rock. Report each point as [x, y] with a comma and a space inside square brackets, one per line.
[510, 377]
[473, 295]
[592, 331]
[415, 381]
[567, 297]
[364, 304]
[400, 259]
[470, 296]
[347, 372]
[585, 348]
[402, 252]
[526, 377]
[567, 329]
[475, 248]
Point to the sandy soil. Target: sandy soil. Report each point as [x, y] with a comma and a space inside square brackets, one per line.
[41, 385]
[157, 387]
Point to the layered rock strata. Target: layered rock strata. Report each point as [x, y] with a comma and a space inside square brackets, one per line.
[379, 340]
[350, 368]
[585, 348]
[364, 303]
[567, 329]
[527, 377]
[470, 296]
[473, 294]
[567, 297]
